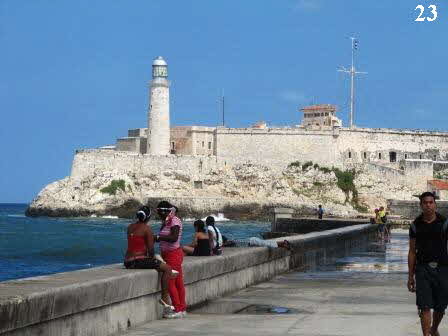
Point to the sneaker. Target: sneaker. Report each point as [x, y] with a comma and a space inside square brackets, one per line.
[166, 312]
[159, 258]
[184, 313]
[174, 315]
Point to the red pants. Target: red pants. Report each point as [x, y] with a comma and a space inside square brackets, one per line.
[176, 286]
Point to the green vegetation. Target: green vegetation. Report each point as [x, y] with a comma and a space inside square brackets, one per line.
[345, 183]
[345, 180]
[306, 165]
[112, 188]
[325, 170]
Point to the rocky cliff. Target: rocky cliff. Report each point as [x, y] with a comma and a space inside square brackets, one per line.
[240, 191]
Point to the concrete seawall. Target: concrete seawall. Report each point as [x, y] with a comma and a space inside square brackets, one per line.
[110, 299]
[306, 225]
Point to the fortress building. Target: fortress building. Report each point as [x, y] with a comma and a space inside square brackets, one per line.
[320, 138]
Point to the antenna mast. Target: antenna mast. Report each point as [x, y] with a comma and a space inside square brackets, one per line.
[352, 73]
[223, 107]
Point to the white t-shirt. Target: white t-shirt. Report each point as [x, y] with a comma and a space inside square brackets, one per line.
[211, 231]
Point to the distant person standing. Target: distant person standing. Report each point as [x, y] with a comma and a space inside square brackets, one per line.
[169, 237]
[320, 211]
[428, 264]
[383, 217]
[215, 235]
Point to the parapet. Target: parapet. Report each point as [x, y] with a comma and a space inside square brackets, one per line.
[110, 299]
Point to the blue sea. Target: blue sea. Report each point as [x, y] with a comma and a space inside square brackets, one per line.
[44, 245]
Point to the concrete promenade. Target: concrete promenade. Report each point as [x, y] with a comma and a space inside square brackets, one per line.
[364, 294]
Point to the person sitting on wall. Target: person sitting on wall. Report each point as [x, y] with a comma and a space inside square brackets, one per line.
[201, 245]
[215, 236]
[140, 252]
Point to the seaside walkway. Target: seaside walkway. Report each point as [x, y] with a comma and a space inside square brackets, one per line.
[364, 294]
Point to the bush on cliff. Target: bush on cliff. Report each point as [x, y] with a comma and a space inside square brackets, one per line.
[306, 165]
[294, 164]
[112, 188]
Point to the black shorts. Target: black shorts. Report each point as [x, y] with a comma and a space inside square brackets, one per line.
[143, 263]
[431, 287]
[381, 227]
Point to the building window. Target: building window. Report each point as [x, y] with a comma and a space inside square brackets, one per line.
[420, 156]
[326, 114]
[197, 184]
[405, 156]
[379, 156]
[392, 156]
[209, 145]
[435, 157]
[173, 146]
[349, 155]
[365, 155]
[202, 144]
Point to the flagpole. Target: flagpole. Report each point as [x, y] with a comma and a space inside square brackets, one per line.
[352, 87]
[352, 73]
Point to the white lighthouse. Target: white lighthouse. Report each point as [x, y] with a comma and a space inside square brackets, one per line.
[159, 110]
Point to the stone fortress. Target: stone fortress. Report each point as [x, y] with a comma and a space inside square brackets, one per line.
[188, 161]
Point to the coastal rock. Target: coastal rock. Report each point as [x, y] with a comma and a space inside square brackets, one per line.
[244, 191]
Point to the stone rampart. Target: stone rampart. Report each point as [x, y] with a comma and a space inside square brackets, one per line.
[411, 209]
[86, 162]
[277, 147]
[110, 299]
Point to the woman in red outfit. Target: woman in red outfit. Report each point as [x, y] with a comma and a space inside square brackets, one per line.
[140, 251]
[169, 237]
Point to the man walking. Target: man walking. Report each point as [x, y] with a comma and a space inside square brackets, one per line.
[428, 264]
[320, 211]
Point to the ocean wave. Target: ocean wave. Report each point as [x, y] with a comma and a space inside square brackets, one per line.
[16, 216]
[218, 218]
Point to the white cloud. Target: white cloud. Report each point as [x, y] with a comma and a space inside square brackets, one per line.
[293, 96]
[308, 5]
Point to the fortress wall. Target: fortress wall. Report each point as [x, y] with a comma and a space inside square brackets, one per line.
[87, 162]
[376, 141]
[278, 147]
[386, 172]
[110, 299]
[418, 172]
[339, 147]
[129, 144]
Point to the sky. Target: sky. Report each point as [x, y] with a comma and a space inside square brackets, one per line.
[75, 74]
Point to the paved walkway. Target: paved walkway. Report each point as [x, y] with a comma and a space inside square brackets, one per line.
[361, 295]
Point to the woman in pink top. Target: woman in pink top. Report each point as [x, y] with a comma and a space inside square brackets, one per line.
[169, 237]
